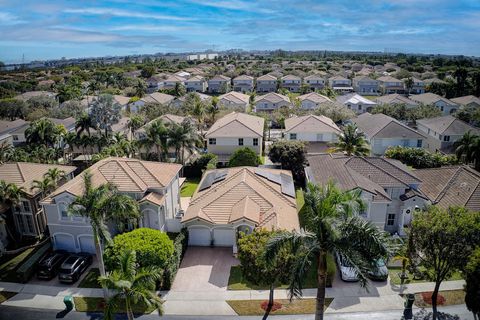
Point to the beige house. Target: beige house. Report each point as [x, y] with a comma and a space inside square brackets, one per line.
[389, 84]
[233, 131]
[241, 199]
[311, 128]
[315, 82]
[396, 99]
[312, 101]
[291, 83]
[467, 101]
[219, 84]
[13, 132]
[172, 81]
[234, 100]
[445, 105]
[155, 97]
[340, 84]
[271, 101]
[266, 83]
[243, 83]
[196, 84]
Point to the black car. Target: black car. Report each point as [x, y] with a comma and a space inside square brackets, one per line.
[73, 267]
[48, 267]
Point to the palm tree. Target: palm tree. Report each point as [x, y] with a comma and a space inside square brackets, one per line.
[10, 194]
[156, 134]
[198, 112]
[44, 186]
[131, 286]
[352, 142]
[136, 122]
[101, 204]
[212, 111]
[183, 137]
[332, 226]
[55, 174]
[71, 140]
[84, 123]
[409, 84]
[465, 147]
[43, 131]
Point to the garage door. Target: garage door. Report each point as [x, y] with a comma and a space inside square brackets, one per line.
[223, 237]
[86, 244]
[64, 242]
[198, 237]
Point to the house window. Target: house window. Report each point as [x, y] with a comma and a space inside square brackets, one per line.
[405, 142]
[441, 108]
[26, 206]
[212, 141]
[419, 143]
[293, 136]
[391, 219]
[15, 138]
[446, 138]
[255, 141]
[359, 107]
[63, 211]
[240, 141]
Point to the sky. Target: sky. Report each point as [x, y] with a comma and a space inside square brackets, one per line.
[42, 30]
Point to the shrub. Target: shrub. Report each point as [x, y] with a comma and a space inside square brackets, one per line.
[196, 168]
[292, 156]
[153, 247]
[420, 158]
[179, 247]
[27, 269]
[244, 157]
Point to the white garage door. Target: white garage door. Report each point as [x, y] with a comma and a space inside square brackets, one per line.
[198, 236]
[64, 242]
[87, 244]
[224, 237]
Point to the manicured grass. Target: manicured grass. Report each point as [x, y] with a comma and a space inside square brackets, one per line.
[253, 307]
[189, 187]
[9, 267]
[236, 281]
[89, 304]
[394, 273]
[5, 295]
[91, 279]
[300, 199]
[452, 297]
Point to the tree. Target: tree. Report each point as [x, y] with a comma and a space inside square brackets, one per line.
[467, 149]
[83, 123]
[44, 131]
[44, 186]
[148, 71]
[291, 155]
[156, 134]
[461, 75]
[332, 226]
[408, 84]
[136, 122]
[105, 112]
[10, 194]
[472, 287]
[131, 286]
[443, 240]
[180, 89]
[352, 142]
[100, 205]
[140, 88]
[183, 137]
[212, 111]
[55, 174]
[244, 156]
[198, 112]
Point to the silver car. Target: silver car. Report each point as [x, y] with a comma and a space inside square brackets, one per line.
[347, 273]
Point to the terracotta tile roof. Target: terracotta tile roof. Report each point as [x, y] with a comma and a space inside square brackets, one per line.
[465, 100]
[389, 79]
[447, 125]
[266, 77]
[220, 77]
[195, 79]
[127, 174]
[174, 78]
[10, 126]
[243, 194]
[382, 126]
[337, 78]
[395, 98]
[237, 124]
[272, 97]
[430, 98]
[121, 100]
[154, 198]
[314, 77]
[235, 97]
[243, 77]
[314, 97]
[311, 123]
[291, 77]
[23, 174]
[158, 97]
[451, 186]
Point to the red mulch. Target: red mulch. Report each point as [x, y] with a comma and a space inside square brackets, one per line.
[275, 307]
[427, 297]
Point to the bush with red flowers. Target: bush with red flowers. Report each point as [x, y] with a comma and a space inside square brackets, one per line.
[427, 298]
[276, 305]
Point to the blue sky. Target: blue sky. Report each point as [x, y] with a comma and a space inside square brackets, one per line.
[54, 29]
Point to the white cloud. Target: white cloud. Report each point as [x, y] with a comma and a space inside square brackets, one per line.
[124, 13]
[8, 19]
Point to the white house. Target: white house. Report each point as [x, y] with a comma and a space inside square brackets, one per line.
[356, 102]
[312, 101]
[311, 128]
[271, 101]
[234, 100]
[445, 105]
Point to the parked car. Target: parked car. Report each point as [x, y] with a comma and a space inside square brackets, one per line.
[50, 264]
[347, 273]
[73, 267]
[380, 272]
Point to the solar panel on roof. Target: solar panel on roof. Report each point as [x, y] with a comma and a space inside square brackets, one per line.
[220, 175]
[207, 181]
[269, 175]
[261, 173]
[287, 185]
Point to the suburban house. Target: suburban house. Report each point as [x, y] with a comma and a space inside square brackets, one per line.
[389, 189]
[240, 199]
[219, 84]
[365, 85]
[155, 97]
[12, 132]
[356, 103]
[267, 83]
[311, 128]
[234, 100]
[271, 101]
[155, 82]
[467, 101]
[382, 132]
[446, 106]
[233, 131]
[172, 81]
[313, 100]
[243, 83]
[340, 84]
[315, 82]
[443, 132]
[122, 101]
[28, 216]
[451, 186]
[155, 185]
[291, 82]
[396, 99]
[389, 84]
[417, 88]
[196, 84]
[179, 101]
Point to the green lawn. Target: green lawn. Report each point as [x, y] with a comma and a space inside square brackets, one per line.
[5, 295]
[297, 306]
[189, 187]
[89, 304]
[395, 278]
[91, 279]
[10, 265]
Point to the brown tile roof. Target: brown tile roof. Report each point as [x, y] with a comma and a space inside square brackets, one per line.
[311, 123]
[127, 174]
[314, 97]
[195, 79]
[9, 126]
[430, 98]
[23, 174]
[243, 77]
[389, 79]
[382, 126]
[447, 125]
[154, 198]
[272, 97]
[466, 100]
[158, 97]
[245, 195]
[266, 77]
[121, 100]
[235, 97]
[291, 77]
[220, 77]
[237, 124]
[395, 98]
[314, 77]
[451, 186]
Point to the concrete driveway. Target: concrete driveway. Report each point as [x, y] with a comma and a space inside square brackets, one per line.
[204, 269]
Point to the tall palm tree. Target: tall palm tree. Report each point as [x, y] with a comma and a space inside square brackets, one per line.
[55, 174]
[131, 286]
[156, 134]
[465, 147]
[71, 140]
[10, 195]
[409, 84]
[212, 111]
[83, 123]
[43, 131]
[332, 226]
[352, 142]
[101, 204]
[198, 112]
[136, 122]
[44, 186]
[183, 137]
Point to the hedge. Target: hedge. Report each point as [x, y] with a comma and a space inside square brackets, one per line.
[179, 248]
[420, 158]
[27, 269]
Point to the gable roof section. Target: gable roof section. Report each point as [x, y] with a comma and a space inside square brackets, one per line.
[291, 77]
[314, 77]
[314, 97]
[395, 98]
[389, 79]
[243, 77]
[10, 126]
[430, 98]
[311, 123]
[266, 77]
[220, 77]
[237, 124]
[158, 97]
[465, 100]
[447, 125]
[235, 97]
[272, 97]
[382, 126]
[354, 98]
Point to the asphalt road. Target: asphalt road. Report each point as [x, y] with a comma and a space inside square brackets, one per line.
[14, 313]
